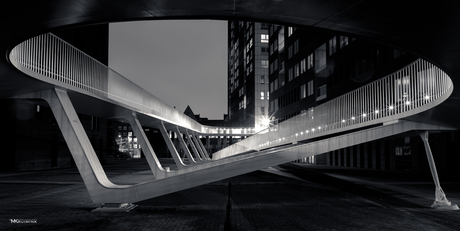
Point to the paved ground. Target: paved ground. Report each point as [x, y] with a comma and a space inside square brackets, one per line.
[286, 197]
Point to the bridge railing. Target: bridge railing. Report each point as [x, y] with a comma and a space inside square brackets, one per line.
[53, 60]
[408, 91]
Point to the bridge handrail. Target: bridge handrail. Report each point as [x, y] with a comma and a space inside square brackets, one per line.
[53, 60]
[408, 91]
[415, 88]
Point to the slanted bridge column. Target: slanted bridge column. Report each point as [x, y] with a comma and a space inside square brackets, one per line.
[440, 197]
[171, 147]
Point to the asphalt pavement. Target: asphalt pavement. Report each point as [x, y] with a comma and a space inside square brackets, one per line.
[285, 197]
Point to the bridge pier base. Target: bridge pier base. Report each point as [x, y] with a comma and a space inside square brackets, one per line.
[115, 207]
[441, 201]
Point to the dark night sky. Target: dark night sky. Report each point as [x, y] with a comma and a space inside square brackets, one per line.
[182, 62]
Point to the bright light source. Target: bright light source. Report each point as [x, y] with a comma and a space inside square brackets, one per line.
[343, 121]
[312, 129]
[427, 97]
[391, 107]
[364, 115]
[265, 122]
[376, 111]
[319, 127]
[407, 102]
[353, 118]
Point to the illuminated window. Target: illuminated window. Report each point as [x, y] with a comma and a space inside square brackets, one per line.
[264, 38]
[297, 70]
[303, 66]
[310, 88]
[320, 58]
[303, 91]
[262, 79]
[309, 61]
[262, 95]
[322, 92]
[290, 31]
[280, 39]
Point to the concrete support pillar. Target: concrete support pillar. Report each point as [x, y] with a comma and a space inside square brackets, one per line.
[150, 155]
[374, 154]
[340, 159]
[346, 159]
[333, 158]
[183, 145]
[171, 147]
[358, 156]
[204, 153]
[382, 154]
[219, 143]
[198, 146]
[75, 136]
[193, 147]
[392, 155]
[208, 144]
[365, 155]
[225, 142]
[440, 197]
[352, 158]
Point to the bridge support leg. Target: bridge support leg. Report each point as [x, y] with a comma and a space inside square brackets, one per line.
[193, 147]
[198, 146]
[441, 201]
[204, 152]
[150, 155]
[184, 147]
[171, 147]
[82, 151]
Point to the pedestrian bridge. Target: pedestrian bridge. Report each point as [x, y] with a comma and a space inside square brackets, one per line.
[372, 112]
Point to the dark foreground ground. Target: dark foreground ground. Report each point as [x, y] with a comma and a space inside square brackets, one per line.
[286, 197]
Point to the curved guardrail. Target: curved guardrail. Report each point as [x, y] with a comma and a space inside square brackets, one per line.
[410, 90]
[53, 60]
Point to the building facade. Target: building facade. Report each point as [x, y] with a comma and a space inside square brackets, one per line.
[277, 72]
[248, 74]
